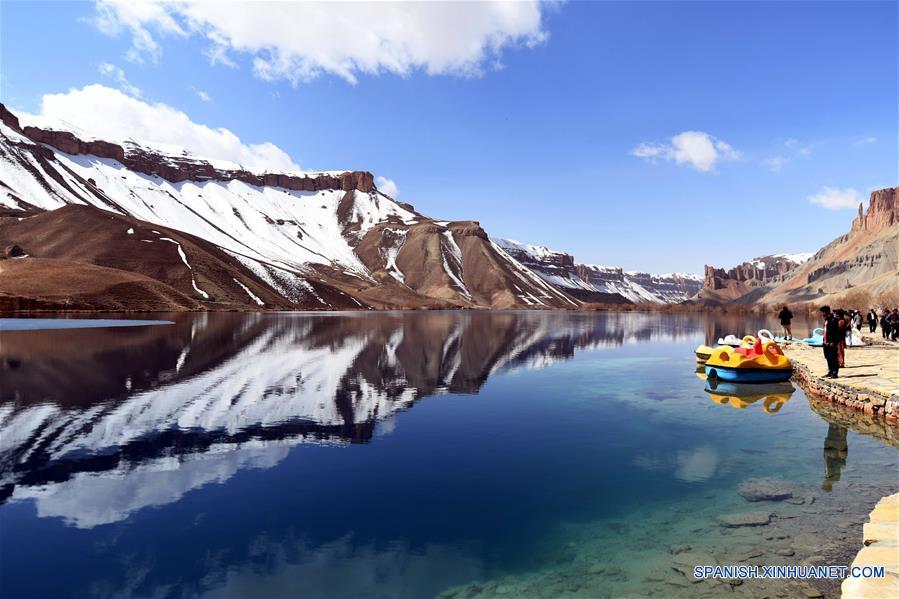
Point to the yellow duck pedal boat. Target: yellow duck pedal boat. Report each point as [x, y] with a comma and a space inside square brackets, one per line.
[764, 362]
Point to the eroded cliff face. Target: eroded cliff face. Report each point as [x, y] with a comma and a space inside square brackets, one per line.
[754, 273]
[184, 168]
[863, 259]
[882, 213]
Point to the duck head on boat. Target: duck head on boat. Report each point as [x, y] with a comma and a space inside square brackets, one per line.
[816, 339]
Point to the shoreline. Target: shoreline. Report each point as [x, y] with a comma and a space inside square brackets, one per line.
[870, 391]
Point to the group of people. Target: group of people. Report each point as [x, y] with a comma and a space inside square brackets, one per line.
[837, 324]
[889, 323]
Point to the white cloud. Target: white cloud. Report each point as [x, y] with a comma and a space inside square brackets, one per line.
[118, 75]
[775, 163]
[836, 199]
[203, 96]
[801, 149]
[387, 186]
[864, 141]
[109, 114]
[695, 148]
[795, 148]
[113, 18]
[299, 41]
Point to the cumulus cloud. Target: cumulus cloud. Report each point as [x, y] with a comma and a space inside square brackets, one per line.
[108, 113]
[387, 186]
[864, 141]
[114, 18]
[836, 199]
[299, 41]
[118, 75]
[694, 148]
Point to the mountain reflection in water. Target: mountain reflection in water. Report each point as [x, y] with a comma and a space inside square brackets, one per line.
[264, 455]
[98, 423]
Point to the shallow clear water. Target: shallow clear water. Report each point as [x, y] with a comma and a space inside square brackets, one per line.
[346, 455]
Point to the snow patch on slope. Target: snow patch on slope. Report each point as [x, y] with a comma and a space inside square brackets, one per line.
[252, 295]
[187, 264]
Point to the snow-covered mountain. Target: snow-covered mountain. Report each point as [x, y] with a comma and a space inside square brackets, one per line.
[316, 240]
[596, 283]
[121, 224]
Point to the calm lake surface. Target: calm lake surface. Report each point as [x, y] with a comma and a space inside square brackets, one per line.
[409, 455]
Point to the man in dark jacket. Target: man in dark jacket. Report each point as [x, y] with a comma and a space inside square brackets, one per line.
[872, 321]
[786, 317]
[832, 335]
[885, 324]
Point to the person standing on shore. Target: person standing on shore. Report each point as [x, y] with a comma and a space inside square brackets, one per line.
[786, 317]
[844, 323]
[885, 324]
[831, 334]
[894, 324]
[872, 320]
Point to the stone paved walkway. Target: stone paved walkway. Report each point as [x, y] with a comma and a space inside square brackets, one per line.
[881, 548]
[869, 368]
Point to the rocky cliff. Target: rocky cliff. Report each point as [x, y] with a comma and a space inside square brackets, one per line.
[865, 259]
[142, 159]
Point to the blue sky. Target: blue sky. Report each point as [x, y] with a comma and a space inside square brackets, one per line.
[559, 132]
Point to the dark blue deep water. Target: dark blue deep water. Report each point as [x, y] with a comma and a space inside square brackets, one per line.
[352, 455]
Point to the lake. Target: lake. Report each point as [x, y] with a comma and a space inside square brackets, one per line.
[412, 455]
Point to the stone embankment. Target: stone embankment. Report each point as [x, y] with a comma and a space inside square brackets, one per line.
[881, 548]
[869, 383]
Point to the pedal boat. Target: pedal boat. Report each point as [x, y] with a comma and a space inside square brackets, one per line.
[816, 340]
[704, 352]
[764, 362]
[766, 335]
[734, 341]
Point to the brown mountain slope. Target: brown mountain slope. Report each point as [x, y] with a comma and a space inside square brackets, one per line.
[866, 260]
[47, 284]
[192, 273]
[455, 262]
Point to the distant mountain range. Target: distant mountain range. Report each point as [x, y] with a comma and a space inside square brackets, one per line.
[93, 224]
[864, 262]
[602, 284]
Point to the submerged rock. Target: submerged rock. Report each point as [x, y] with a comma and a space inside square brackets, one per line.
[738, 519]
[765, 489]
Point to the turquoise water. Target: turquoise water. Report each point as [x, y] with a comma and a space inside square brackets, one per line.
[407, 455]
[42, 324]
